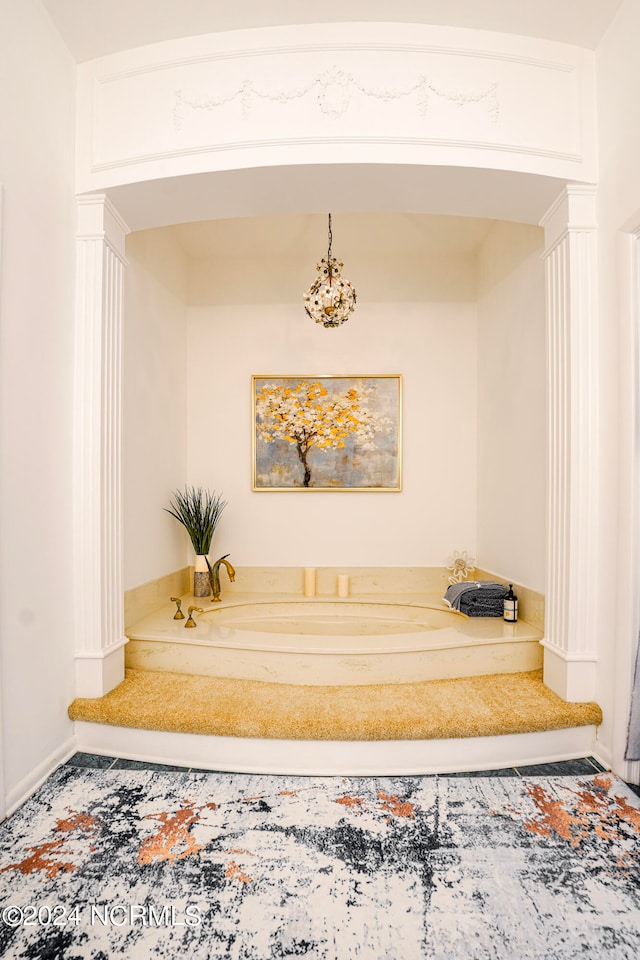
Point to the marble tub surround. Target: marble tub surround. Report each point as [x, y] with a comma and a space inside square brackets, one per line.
[530, 603]
[362, 580]
[359, 640]
[414, 584]
[141, 601]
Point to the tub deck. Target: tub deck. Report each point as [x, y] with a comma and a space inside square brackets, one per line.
[363, 639]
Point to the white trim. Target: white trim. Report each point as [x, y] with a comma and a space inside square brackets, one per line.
[604, 757]
[569, 657]
[571, 676]
[98, 219]
[105, 652]
[98, 673]
[628, 626]
[571, 190]
[3, 799]
[283, 49]
[36, 777]
[367, 141]
[333, 757]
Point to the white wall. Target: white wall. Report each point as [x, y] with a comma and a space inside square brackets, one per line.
[416, 318]
[155, 405]
[37, 95]
[618, 73]
[512, 442]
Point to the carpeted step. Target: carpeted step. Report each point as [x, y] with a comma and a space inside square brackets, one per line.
[439, 709]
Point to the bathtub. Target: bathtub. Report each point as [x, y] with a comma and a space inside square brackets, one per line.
[333, 623]
[322, 642]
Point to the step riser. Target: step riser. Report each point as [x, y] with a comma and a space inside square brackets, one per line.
[337, 758]
[330, 669]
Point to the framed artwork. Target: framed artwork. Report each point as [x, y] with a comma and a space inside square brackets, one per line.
[327, 433]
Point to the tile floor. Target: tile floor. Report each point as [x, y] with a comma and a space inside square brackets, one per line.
[564, 768]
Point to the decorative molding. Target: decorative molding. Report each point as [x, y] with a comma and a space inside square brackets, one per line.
[348, 139]
[280, 50]
[281, 86]
[99, 627]
[572, 211]
[568, 657]
[334, 89]
[98, 219]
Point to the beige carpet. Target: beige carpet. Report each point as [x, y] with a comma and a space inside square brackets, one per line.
[467, 707]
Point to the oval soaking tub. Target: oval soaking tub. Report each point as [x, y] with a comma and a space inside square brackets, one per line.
[334, 621]
[329, 642]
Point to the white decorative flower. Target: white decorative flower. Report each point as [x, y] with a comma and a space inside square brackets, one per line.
[334, 97]
[461, 566]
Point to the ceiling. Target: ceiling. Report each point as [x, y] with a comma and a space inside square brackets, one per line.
[96, 28]
[305, 236]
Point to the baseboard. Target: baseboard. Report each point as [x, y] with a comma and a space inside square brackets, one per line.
[604, 756]
[336, 758]
[29, 784]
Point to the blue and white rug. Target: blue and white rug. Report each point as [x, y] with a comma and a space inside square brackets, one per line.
[138, 864]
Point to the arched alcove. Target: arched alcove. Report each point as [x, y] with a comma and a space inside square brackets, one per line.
[334, 140]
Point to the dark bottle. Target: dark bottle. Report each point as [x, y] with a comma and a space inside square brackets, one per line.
[511, 606]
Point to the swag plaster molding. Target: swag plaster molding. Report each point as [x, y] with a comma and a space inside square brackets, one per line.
[335, 90]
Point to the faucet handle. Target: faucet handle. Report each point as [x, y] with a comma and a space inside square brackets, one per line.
[191, 610]
[178, 615]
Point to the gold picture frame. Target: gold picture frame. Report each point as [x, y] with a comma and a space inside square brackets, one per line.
[327, 433]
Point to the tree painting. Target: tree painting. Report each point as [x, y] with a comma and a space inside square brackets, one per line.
[328, 432]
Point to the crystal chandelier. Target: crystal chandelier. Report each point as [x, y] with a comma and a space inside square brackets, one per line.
[330, 298]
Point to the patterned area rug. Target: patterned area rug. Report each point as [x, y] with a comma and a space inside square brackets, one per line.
[137, 864]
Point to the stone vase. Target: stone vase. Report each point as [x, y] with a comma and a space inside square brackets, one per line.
[201, 581]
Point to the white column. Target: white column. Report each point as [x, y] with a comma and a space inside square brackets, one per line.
[571, 593]
[98, 591]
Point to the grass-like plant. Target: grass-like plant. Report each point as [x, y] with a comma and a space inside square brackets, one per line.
[198, 511]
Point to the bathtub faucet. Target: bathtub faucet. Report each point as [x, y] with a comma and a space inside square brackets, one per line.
[214, 575]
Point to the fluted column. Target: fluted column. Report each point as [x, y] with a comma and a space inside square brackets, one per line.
[572, 550]
[98, 594]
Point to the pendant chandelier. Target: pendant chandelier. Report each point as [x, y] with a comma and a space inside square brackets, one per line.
[330, 298]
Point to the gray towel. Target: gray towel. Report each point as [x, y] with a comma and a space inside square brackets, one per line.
[478, 594]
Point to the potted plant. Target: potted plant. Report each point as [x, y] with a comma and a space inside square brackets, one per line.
[198, 511]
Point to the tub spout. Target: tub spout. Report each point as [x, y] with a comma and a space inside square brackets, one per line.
[214, 575]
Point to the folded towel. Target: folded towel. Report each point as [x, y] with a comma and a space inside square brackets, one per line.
[475, 596]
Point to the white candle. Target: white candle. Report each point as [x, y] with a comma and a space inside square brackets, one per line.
[343, 585]
[309, 581]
